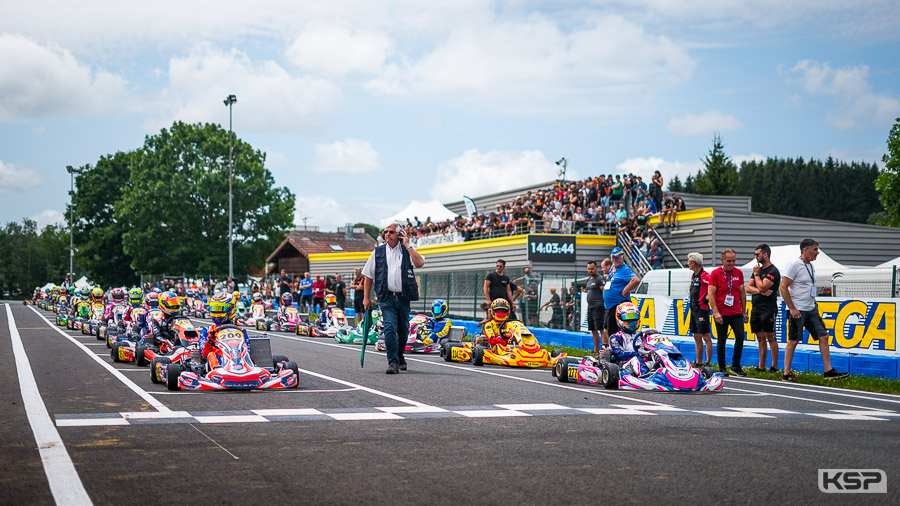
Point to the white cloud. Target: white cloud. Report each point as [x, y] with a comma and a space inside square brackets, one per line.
[645, 167]
[12, 179]
[854, 101]
[752, 157]
[269, 98]
[537, 61]
[48, 82]
[474, 173]
[48, 217]
[338, 50]
[706, 123]
[329, 212]
[351, 156]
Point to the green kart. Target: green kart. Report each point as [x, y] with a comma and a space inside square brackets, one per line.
[355, 334]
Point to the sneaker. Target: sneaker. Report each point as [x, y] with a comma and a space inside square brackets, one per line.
[737, 371]
[723, 371]
[772, 369]
[834, 374]
[759, 369]
[392, 369]
[402, 364]
[697, 365]
[788, 377]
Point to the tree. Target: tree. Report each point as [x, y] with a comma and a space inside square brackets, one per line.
[371, 230]
[888, 181]
[719, 176]
[177, 205]
[30, 258]
[689, 184]
[98, 233]
[675, 184]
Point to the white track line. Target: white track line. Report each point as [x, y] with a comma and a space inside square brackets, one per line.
[65, 485]
[805, 399]
[367, 389]
[149, 399]
[845, 393]
[554, 384]
[822, 389]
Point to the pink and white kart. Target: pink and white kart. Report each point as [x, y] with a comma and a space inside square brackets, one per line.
[336, 322]
[114, 326]
[289, 323]
[231, 367]
[198, 309]
[415, 340]
[257, 313]
[669, 370]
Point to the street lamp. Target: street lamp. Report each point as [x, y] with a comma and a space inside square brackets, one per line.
[72, 171]
[562, 162]
[229, 101]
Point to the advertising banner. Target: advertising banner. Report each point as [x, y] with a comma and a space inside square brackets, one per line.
[854, 326]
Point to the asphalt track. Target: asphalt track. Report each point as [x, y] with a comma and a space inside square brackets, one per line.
[438, 434]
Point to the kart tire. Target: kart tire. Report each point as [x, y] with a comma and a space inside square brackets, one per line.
[258, 326]
[478, 356]
[157, 360]
[609, 376]
[556, 353]
[277, 359]
[296, 370]
[708, 372]
[173, 371]
[447, 351]
[114, 352]
[139, 359]
[96, 332]
[561, 370]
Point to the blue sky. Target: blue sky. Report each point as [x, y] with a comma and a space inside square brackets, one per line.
[363, 106]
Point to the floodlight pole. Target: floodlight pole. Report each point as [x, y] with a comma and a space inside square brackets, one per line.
[229, 101]
[562, 162]
[72, 171]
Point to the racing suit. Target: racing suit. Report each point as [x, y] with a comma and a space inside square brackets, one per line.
[281, 315]
[627, 349]
[161, 329]
[438, 328]
[207, 342]
[325, 318]
[109, 314]
[495, 333]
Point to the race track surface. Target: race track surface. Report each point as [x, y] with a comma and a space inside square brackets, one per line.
[440, 433]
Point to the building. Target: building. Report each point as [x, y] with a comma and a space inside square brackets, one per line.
[293, 253]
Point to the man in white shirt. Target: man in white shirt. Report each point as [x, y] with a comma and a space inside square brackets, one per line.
[390, 269]
[798, 289]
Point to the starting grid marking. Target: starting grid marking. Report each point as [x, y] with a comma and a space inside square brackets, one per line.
[419, 412]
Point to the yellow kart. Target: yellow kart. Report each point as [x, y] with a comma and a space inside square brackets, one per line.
[523, 350]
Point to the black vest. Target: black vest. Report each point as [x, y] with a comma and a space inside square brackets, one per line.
[410, 288]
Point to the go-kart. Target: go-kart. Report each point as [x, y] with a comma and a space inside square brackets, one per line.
[61, 319]
[333, 323]
[257, 313]
[91, 325]
[307, 328]
[198, 309]
[291, 320]
[522, 350]
[230, 367]
[419, 338]
[111, 327]
[145, 351]
[354, 335]
[669, 370]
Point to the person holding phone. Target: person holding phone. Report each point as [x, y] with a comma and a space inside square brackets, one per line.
[390, 269]
[763, 289]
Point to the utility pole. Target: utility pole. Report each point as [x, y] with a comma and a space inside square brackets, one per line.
[229, 102]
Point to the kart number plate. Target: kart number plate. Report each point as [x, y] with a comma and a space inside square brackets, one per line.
[573, 373]
[459, 354]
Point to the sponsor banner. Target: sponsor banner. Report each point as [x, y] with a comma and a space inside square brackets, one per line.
[854, 326]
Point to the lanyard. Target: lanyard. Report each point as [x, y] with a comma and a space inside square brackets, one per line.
[729, 280]
[811, 272]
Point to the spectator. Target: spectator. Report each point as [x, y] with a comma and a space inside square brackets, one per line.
[656, 185]
[620, 281]
[496, 285]
[596, 310]
[610, 220]
[727, 299]
[284, 283]
[699, 320]
[339, 289]
[615, 192]
[798, 289]
[556, 318]
[319, 291]
[621, 218]
[657, 255]
[306, 293]
[357, 287]
[763, 290]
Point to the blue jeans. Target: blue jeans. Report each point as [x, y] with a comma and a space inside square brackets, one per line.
[395, 316]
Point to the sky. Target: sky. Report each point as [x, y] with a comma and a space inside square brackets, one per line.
[363, 106]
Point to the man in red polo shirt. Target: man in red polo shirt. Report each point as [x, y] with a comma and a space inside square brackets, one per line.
[319, 292]
[727, 301]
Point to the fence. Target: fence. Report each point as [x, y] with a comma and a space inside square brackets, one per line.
[536, 227]
[205, 282]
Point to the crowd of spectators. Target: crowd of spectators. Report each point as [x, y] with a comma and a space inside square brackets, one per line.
[601, 205]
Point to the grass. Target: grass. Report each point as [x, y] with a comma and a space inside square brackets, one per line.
[862, 383]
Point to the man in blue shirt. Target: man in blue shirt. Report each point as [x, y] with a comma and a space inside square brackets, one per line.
[306, 292]
[619, 284]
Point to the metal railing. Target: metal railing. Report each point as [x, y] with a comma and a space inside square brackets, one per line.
[533, 227]
[664, 245]
[634, 257]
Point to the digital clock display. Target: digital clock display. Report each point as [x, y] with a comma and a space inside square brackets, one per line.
[551, 248]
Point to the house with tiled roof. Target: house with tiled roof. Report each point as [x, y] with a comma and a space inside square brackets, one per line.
[292, 254]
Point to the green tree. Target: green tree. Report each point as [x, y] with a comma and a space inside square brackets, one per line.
[31, 258]
[98, 234]
[675, 184]
[371, 230]
[177, 206]
[719, 175]
[689, 184]
[888, 181]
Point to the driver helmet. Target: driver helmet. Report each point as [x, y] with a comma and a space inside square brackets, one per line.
[257, 297]
[97, 294]
[330, 300]
[439, 308]
[222, 308]
[117, 295]
[72, 290]
[628, 317]
[286, 299]
[135, 295]
[152, 300]
[169, 303]
[500, 310]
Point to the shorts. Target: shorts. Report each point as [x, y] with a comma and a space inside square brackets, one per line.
[762, 320]
[319, 300]
[306, 299]
[811, 321]
[595, 317]
[610, 324]
[699, 323]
